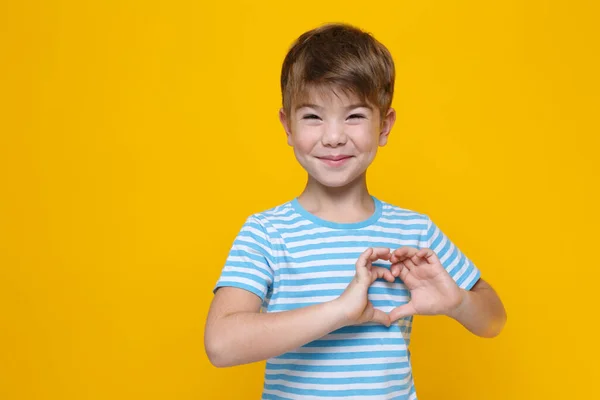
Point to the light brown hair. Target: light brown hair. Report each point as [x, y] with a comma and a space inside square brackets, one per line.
[338, 57]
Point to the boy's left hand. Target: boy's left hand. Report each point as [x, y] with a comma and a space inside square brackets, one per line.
[432, 289]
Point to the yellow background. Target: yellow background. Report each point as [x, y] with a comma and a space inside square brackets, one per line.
[135, 138]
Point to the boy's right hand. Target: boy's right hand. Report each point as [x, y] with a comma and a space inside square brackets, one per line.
[354, 302]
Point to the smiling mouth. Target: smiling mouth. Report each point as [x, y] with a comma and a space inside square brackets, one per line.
[335, 161]
[334, 158]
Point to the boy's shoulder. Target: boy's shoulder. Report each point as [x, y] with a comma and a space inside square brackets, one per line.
[280, 212]
[395, 210]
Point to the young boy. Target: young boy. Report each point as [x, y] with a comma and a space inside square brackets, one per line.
[337, 273]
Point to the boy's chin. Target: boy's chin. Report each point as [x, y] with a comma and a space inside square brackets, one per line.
[334, 182]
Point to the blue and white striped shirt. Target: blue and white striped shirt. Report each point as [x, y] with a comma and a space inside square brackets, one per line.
[290, 258]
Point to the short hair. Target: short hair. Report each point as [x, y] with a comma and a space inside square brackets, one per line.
[339, 57]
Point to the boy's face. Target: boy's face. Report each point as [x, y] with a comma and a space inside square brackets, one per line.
[335, 136]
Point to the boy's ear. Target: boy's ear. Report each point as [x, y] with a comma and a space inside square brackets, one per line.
[386, 126]
[286, 125]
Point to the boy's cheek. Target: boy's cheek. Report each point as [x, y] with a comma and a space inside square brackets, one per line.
[304, 143]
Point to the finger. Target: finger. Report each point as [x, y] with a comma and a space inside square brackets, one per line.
[363, 259]
[404, 272]
[416, 260]
[429, 255]
[380, 272]
[402, 254]
[402, 311]
[381, 317]
[405, 251]
[409, 264]
[380, 253]
[396, 254]
[362, 262]
[399, 270]
[395, 269]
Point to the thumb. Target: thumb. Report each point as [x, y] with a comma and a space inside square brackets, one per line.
[405, 310]
[381, 317]
[362, 271]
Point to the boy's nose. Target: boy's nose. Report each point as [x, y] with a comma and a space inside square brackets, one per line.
[334, 135]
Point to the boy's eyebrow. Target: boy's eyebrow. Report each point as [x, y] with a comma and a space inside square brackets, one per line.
[358, 105]
[308, 105]
[317, 107]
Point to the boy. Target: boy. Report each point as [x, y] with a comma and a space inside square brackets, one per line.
[338, 273]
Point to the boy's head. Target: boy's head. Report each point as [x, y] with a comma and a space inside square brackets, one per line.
[337, 84]
[342, 58]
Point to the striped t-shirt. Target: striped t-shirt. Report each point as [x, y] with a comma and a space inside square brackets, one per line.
[290, 258]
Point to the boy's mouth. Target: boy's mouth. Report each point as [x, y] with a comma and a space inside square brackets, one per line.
[334, 158]
[335, 161]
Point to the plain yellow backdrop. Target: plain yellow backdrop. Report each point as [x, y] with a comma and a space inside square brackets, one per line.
[136, 137]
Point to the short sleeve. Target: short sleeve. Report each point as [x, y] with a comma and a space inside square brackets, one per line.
[249, 262]
[460, 268]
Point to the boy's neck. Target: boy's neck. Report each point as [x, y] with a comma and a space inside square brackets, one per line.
[348, 204]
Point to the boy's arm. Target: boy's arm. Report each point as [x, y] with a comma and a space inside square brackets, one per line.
[434, 292]
[237, 333]
[481, 310]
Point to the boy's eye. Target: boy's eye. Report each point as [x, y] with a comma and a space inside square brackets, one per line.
[357, 116]
[310, 116]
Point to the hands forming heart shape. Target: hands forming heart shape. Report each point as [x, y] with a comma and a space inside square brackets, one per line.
[432, 289]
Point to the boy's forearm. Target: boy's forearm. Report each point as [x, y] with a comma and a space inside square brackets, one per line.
[246, 337]
[481, 312]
